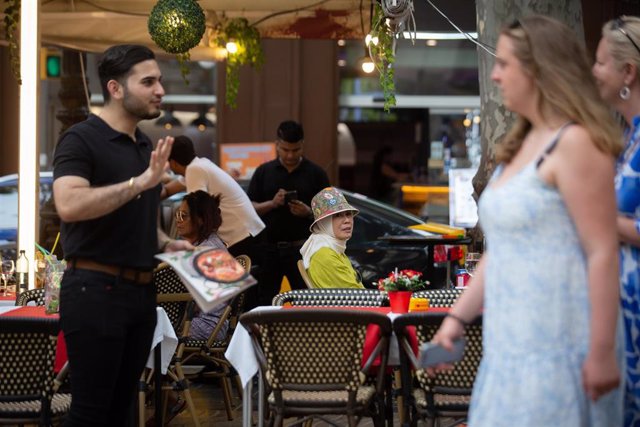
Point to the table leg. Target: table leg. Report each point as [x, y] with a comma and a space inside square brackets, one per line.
[260, 399]
[246, 404]
[157, 366]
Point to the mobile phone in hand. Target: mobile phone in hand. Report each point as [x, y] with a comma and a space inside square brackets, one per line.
[290, 196]
[434, 354]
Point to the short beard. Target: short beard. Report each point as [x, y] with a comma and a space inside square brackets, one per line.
[133, 107]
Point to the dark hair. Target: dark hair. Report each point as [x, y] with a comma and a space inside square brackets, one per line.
[206, 208]
[117, 61]
[290, 131]
[182, 150]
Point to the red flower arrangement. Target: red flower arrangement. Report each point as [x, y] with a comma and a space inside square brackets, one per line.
[405, 280]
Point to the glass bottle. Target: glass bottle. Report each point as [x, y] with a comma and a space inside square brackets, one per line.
[22, 271]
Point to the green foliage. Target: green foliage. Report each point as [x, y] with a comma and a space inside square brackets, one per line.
[11, 21]
[177, 26]
[383, 55]
[247, 38]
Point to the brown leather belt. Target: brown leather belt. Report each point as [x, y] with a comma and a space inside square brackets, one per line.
[131, 274]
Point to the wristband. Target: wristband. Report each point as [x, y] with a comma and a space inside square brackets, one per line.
[460, 320]
[130, 186]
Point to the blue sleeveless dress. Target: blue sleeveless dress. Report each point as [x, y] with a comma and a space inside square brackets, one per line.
[628, 197]
[536, 312]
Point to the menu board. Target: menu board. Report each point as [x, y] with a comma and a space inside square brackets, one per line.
[241, 159]
[463, 211]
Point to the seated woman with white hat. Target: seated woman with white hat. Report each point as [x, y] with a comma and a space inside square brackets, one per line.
[323, 253]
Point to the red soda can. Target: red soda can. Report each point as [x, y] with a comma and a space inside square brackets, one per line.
[462, 278]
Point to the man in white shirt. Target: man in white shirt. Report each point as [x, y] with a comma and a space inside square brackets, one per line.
[240, 221]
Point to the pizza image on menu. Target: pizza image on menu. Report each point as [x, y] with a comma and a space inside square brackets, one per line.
[218, 265]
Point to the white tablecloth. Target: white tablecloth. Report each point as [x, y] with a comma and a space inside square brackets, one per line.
[166, 336]
[240, 351]
[5, 309]
[7, 302]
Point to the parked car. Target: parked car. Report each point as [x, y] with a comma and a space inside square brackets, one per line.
[384, 238]
[9, 203]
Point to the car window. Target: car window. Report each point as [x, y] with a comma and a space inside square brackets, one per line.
[390, 213]
[369, 227]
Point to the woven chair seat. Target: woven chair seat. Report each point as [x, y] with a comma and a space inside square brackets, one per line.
[324, 398]
[450, 401]
[60, 404]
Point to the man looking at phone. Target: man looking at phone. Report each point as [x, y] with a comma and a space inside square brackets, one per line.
[281, 191]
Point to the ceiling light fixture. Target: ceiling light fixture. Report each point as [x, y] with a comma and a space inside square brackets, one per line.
[168, 120]
[202, 122]
[232, 47]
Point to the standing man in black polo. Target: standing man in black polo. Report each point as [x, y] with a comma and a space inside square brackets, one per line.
[106, 189]
[287, 219]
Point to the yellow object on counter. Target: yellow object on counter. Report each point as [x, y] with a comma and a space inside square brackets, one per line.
[418, 304]
[443, 229]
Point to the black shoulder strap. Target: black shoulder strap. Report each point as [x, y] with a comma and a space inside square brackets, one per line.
[552, 145]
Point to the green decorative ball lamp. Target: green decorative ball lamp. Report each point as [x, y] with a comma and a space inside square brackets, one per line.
[177, 26]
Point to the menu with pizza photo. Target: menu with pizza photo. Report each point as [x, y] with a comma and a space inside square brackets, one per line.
[212, 276]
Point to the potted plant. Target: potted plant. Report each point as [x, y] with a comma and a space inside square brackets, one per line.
[400, 285]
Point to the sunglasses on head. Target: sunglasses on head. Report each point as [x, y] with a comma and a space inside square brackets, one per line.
[182, 215]
[618, 24]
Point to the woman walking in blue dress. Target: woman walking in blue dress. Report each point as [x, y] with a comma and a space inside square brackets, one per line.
[548, 281]
[616, 72]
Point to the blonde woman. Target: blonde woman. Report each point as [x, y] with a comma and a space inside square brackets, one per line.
[548, 281]
[616, 72]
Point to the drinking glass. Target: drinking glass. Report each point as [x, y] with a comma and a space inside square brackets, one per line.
[471, 262]
[7, 268]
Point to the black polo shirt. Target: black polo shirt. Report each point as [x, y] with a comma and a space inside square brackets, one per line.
[307, 179]
[126, 237]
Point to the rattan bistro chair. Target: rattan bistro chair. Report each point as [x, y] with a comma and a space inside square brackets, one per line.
[31, 295]
[333, 297]
[211, 351]
[27, 357]
[177, 302]
[312, 360]
[448, 394]
[305, 276]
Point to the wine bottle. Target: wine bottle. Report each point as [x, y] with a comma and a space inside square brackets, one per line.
[22, 271]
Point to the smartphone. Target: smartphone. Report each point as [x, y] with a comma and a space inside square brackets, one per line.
[435, 354]
[290, 196]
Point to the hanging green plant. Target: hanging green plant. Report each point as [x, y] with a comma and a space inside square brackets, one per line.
[177, 26]
[248, 51]
[383, 54]
[11, 21]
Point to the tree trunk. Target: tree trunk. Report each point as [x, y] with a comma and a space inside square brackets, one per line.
[492, 15]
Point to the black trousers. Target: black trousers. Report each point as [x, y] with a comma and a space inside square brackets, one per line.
[108, 326]
[275, 263]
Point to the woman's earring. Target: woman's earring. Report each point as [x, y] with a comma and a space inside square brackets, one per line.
[625, 92]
